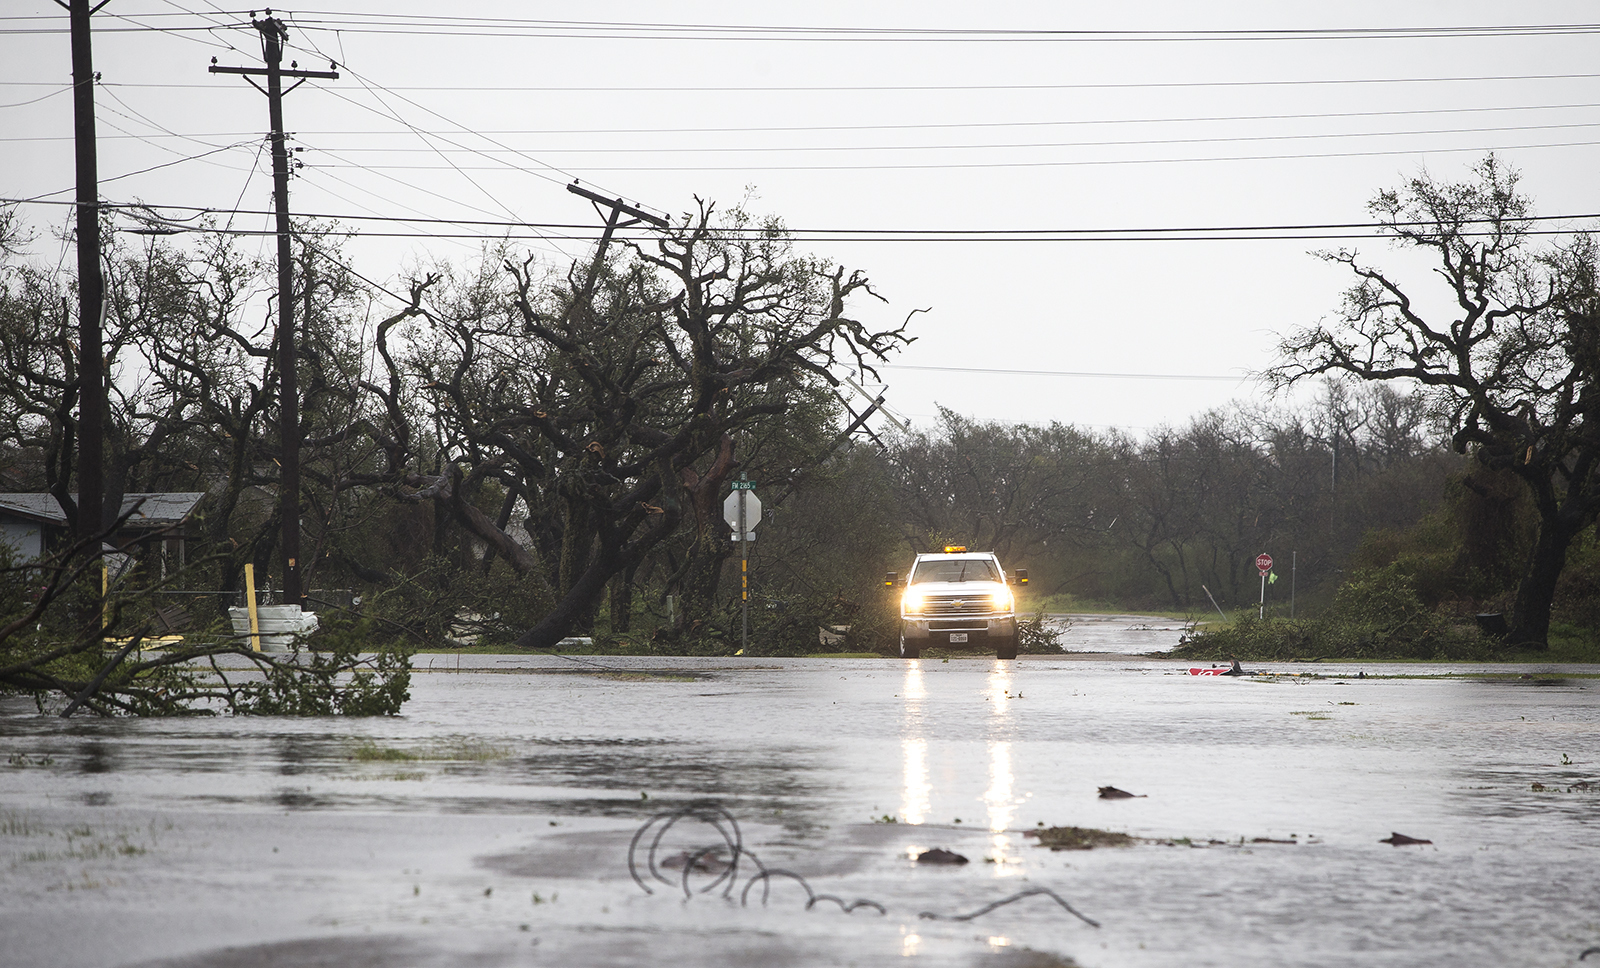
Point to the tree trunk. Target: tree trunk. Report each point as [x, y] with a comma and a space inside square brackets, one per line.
[1530, 616]
[580, 601]
[702, 576]
[622, 601]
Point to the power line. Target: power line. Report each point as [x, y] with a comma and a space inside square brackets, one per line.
[641, 30]
[952, 166]
[1126, 143]
[600, 30]
[895, 88]
[1077, 163]
[933, 126]
[1309, 230]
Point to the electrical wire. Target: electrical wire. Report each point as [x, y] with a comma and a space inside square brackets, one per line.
[940, 126]
[641, 30]
[910, 88]
[43, 97]
[394, 115]
[1077, 163]
[721, 859]
[949, 125]
[599, 30]
[1019, 146]
[1310, 231]
[423, 23]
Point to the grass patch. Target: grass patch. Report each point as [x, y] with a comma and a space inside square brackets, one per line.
[367, 751]
[471, 750]
[16, 825]
[1082, 838]
[841, 655]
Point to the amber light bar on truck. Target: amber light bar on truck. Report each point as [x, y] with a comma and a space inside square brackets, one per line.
[954, 549]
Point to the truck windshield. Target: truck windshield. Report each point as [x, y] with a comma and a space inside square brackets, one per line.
[960, 569]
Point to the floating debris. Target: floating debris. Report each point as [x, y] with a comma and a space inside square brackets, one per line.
[939, 855]
[1112, 793]
[1401, 840]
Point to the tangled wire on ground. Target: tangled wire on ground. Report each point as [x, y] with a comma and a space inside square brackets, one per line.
[726, 873]
[705, 859]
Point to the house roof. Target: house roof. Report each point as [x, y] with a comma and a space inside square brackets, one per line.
[38, 507]
[158, 509]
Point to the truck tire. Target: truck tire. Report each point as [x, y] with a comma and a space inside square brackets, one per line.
[908, 651]
[1006, 648]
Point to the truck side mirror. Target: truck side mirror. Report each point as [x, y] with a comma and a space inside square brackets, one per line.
[890, 579]
[1022, 576]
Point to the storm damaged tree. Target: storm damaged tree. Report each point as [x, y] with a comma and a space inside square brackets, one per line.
[609, 407]
[1509, 355]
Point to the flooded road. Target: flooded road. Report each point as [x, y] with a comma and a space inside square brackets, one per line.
[491, 824]
[1117, 633]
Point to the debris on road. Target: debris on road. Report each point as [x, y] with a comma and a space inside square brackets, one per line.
[708, 860]
[932, 916]
[939, 855]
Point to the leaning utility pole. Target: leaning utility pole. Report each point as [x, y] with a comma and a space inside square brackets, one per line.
[91, 287]
[613, 222]
[273, 34]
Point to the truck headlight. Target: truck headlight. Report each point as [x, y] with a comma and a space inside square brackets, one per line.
[1002, 601]
[912, 602]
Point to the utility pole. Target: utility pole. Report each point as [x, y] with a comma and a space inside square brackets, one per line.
[91, 287]
[618, 207]
[273, 34]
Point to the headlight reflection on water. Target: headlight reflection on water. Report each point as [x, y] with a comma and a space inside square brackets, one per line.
[914, 804]
[999, 798]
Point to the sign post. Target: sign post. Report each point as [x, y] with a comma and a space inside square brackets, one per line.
[742, 511]
[1263, 565]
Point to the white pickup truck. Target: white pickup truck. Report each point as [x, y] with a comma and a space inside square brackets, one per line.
[957, 598]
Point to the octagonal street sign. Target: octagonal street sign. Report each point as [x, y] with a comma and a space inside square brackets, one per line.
[752, 510]
[1263, 563]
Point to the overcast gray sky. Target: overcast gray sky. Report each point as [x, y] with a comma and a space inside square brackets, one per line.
[862, 122]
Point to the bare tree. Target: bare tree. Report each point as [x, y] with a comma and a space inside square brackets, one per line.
[1512, 362]
[610, 412]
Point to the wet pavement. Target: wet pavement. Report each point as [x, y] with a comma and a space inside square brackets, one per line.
[491, 823]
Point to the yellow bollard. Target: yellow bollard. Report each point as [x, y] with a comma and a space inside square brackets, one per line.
[250, 602]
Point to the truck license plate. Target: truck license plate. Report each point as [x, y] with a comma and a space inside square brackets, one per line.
[957, 637]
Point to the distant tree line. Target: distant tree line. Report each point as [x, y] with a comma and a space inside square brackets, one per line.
[511, 452]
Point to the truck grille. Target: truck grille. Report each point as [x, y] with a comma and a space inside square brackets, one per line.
[958, 605]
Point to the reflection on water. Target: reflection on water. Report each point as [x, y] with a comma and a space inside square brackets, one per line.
[914, 803]
[999, 798]
[1000, 803]
[910, 945]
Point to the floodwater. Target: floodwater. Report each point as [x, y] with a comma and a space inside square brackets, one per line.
[490, 824]
[1139, 634]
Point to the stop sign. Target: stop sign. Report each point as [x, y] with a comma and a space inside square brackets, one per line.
[752, 510]
[1264, 562]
